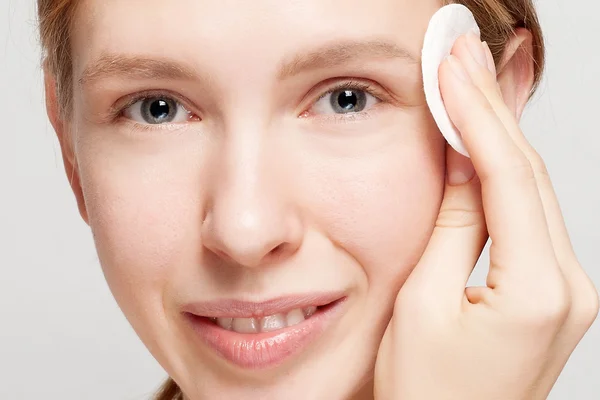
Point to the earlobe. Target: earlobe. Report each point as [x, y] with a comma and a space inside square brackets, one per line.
[64, 139]
[516, 71]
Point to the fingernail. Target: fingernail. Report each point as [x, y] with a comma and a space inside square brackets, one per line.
[458, 69]
[460, 170]
[491, 64]
[476, 50]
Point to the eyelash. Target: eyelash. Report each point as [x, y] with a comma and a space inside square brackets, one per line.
[118, 111]
[348, 85]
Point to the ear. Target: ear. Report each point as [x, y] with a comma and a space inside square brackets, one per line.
[516, 71]
[61, 127]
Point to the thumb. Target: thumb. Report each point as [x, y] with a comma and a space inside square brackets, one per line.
[459, 170]
[458, 237]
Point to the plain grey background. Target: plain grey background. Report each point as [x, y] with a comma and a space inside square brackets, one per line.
[62, 335]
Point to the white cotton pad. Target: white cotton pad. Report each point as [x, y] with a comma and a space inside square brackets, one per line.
[446, 25]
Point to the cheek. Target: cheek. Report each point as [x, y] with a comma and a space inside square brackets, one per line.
[145, 208]
[142, 206]
[382, 208]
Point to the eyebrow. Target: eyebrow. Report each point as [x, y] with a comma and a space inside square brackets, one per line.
[135, 67]
[328, 56]
[340, 53]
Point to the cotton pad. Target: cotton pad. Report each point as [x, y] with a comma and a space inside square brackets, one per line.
[446, 25]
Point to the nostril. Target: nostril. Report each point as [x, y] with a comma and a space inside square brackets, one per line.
[222, 255]
[282, 250]
[268, 257]
[278, 250]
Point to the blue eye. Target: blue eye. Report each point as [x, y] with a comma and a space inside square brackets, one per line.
[344, 101]
[156, 111]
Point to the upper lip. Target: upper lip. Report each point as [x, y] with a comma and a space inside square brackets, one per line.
[232, 308]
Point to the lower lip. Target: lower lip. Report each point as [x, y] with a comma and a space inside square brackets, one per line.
[268, 349]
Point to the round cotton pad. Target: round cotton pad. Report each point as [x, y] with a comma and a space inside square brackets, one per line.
[446, 25]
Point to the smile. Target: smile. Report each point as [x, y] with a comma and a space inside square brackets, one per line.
[270, 323]
[263, 335]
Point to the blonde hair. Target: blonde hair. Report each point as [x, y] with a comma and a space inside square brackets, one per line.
[498, 20]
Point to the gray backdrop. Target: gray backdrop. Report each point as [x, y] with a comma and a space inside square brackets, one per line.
[61, 333]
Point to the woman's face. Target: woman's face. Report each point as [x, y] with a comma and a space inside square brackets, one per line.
[253, 160]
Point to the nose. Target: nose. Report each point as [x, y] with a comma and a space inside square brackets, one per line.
[250, 218]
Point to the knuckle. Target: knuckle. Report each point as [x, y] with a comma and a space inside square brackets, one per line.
[586, 304]
[587, 313]
[459, 218]
[593, 308]
[518, 169]
[537, 164]
[547, 307]
[488, 107]
[489, 84]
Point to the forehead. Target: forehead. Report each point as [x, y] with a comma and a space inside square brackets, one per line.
[230, 32]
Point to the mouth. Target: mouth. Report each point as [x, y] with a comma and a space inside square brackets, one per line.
[263, 335]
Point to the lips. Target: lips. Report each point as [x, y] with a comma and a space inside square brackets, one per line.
[261, 335]
[267, 323]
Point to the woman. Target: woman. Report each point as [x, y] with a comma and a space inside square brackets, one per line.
[278, 216]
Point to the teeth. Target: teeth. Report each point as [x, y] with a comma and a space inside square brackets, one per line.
[308, 311]
[294, 317]
[266, 324]
[245, 325]
[225, 323]
[272, 323]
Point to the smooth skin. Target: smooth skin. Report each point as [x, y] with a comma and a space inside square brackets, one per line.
[510, 339]
[264, 192]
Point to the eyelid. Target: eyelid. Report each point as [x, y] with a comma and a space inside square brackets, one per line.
[327, 87]
[351, 84]
[332, 85]
[116, 111]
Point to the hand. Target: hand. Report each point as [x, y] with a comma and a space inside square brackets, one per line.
[511, 339]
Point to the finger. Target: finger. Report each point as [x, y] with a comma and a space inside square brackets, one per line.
[584, 301]
[584, 296]
[477, 294]
[513, 210]
[583, 293]
[457, 239]
[485, 80]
